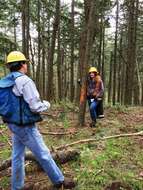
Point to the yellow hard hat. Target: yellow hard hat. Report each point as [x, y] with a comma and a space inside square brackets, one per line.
[15, 56]
[93, 69]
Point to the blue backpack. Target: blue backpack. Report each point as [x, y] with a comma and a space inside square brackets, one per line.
[14, 109]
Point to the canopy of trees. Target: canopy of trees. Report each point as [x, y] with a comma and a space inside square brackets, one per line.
[64, 38]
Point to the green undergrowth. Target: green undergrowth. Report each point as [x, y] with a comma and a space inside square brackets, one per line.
[4, 183]
[5, 150]
[114, 160]
[102, 162]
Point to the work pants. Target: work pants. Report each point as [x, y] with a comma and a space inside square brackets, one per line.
[29, 136]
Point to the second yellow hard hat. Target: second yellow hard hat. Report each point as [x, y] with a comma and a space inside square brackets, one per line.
[93, 69]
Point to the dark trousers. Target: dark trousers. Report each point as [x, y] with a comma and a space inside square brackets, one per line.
[96, 108]
[99, 109]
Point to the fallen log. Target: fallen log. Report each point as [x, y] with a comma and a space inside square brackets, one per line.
[61, 157]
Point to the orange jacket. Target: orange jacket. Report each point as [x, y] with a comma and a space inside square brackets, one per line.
[95, 87]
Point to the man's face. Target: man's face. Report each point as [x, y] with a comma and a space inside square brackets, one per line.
[92, 74]
[24, 67]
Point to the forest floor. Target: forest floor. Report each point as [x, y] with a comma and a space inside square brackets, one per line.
[112, 164]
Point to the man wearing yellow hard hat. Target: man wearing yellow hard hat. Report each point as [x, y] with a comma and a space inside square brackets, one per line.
[20, 108]
[95, 92]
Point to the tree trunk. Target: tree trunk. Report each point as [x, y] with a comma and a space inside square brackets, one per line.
[137, 86]
[115, 55]
[43, 69]
[23, 18]
[38, 70]
[14, 31]
[82, 50]
[52, 51]
[59, 64]
[142, 95]
[25, 29]
[100, 44]
[110, 78]
[32, 58]
[137, 80]
[72, 53]
[103, 56]
[130, 69]
[123, 82]
[47, 54]
[80, 65]
[119, 73]
[90, 28]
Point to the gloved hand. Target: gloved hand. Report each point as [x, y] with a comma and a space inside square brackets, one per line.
[92, 100]
[47, 104]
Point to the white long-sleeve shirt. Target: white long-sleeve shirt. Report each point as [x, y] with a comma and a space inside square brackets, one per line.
[24, 86]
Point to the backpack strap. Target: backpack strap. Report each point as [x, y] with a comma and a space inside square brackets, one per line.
[9, 80]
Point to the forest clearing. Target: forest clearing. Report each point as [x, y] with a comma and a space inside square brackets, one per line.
[112, 164]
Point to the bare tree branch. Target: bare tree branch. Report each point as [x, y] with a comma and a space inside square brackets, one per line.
[100, 139]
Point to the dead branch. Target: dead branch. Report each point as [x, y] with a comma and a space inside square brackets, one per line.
[100, 139]
[99, 172]
[61, 157]
[59, 133]
[49, 115]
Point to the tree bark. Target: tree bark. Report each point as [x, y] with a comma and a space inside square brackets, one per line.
[32, 58]
[137, 86]
[38, 69]
[25, 29]
[137, 80]
[103, 56]
[50, 87]
[43, 70]
[130, 68]
[115, 55]
[110, 78]
[59, 62]
[119, 73]
[142, 95]
[72, 53]
[23, 16]
[100, 44]
[90, 28]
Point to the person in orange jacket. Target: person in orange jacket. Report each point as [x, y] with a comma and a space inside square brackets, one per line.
[95, 91]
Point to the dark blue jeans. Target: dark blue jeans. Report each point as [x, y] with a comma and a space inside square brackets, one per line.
[93, 103]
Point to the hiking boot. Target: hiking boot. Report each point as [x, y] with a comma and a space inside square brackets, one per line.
[68, 183]
[93, 124]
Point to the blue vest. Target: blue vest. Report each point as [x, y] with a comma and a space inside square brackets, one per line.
[14, 109]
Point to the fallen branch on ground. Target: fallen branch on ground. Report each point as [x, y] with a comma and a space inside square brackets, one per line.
[61, 157]
[59, 133]
[49, 115]
[99, 139]
[100, 171]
